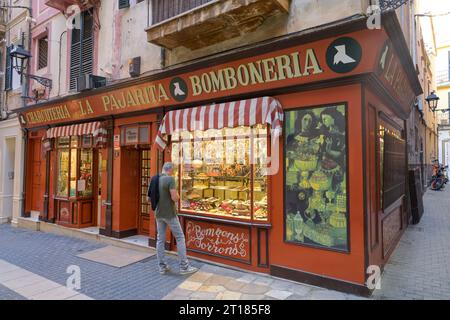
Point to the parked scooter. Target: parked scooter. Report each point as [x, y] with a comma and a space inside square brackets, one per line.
[439, 178]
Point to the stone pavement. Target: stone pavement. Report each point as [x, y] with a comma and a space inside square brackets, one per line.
[418, 269]
[42, 256]
[420, 266]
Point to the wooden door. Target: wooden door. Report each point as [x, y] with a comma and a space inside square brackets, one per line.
[36, 176]
[144, 206]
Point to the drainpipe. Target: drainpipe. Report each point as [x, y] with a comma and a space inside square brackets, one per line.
[24, 165]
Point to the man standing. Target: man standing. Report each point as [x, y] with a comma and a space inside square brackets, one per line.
[166, 215]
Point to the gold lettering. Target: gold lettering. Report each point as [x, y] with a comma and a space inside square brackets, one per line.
[296, 59]
[217, 80]
[196, 86]
[130, 99]
[206, 83]
[106, 102]
[162, 93]
[284, 67]
[256, 72]
[269, 70]
[230, 78]
[311, 63]
[243, 75]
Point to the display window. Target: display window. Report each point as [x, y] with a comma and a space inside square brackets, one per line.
[316, 197]
[222, 173]
[74, 168]
[392, 164]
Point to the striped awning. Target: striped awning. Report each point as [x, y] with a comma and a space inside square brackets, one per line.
[264, 110]
[96, 129]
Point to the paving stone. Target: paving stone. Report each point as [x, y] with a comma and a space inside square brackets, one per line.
[204, 295]
[208, 288]
[234, 285]
[229, 295]
[267, 281]
[297, 297]
[248, 278]
[59, 293]
[279, 294]
[200, 276]
[326, 295]
[217, 280]
[190, 285]
[181, 292]
[254, 289]
[7, 294]
[300, 290]
[252, 296]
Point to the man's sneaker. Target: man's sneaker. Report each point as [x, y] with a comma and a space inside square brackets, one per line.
[188, 270]
[164, 270]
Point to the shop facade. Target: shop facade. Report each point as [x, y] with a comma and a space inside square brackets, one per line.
[291, 155]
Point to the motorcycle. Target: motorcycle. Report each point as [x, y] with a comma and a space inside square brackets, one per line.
[439, 178]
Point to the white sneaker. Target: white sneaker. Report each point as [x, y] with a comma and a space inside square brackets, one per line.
[188, 270]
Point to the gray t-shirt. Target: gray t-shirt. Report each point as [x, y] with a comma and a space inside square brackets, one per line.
[166, 208]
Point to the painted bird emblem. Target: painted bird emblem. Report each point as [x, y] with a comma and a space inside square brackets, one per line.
[342, 56]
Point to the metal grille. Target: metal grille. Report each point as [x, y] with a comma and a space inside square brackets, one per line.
[392, 4]
[43, 53]
[166, 9]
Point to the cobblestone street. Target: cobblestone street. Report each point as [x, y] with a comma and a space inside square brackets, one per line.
[420, 265]
[33, 265]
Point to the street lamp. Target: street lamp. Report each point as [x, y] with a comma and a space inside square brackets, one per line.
[432, 101]
[20, 55]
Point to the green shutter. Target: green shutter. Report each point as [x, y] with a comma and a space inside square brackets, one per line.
[8, 70]
[124, 4]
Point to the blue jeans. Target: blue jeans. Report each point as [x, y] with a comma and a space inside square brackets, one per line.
[175, 227]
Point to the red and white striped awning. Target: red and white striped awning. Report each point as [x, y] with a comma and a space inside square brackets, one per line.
[264, 110]
[96, 129]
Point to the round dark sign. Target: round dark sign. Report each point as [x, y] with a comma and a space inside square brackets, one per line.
[179, 89]
[344, 55]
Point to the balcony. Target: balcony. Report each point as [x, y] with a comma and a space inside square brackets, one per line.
[62, 5]
[195, 24]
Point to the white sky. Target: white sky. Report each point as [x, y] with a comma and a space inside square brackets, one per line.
[441, 24]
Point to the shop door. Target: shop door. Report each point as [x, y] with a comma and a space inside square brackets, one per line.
[144, 206]
[36, 175]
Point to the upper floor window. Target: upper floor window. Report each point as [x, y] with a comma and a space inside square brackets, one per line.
[82, 47]
[42, 53]
[166, 9]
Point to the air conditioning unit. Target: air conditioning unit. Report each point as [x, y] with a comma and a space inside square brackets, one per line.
[89, 82]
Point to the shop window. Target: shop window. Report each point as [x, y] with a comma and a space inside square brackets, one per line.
[392, 165]
[75, 167]
[82, 47]
[316, 197]
[222, 173]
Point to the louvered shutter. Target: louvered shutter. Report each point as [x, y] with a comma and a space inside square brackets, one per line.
[8, 70]
[82, 49]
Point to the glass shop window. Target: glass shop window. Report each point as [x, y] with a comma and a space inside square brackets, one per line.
[316, 197]
[222, 173]
[74, 167]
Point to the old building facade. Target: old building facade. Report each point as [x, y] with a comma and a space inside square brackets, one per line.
[317, 95]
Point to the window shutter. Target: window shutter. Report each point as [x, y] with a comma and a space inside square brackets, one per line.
[124, 4]
[82, 49]
[8, 70]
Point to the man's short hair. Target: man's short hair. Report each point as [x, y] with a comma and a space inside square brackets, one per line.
[167, 167]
